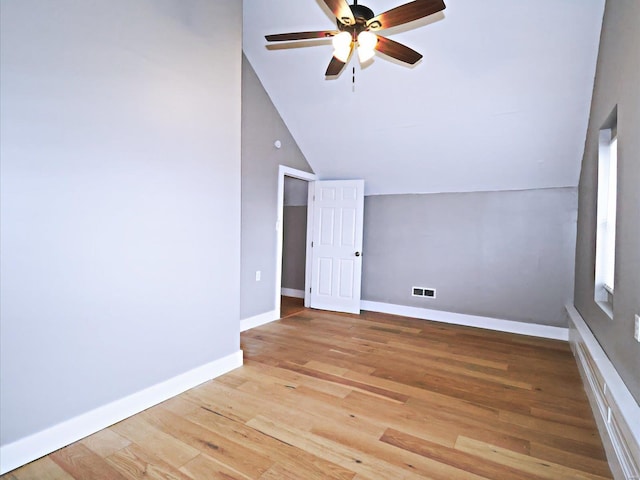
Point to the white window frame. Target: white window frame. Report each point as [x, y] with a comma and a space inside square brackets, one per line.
[606, 216]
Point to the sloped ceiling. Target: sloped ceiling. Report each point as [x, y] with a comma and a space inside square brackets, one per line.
[500, 100]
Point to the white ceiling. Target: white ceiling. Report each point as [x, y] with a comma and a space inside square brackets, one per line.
[500, 100]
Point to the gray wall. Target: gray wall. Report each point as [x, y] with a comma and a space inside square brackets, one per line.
[261, 127]
[503, 254]
[617, 80]
[294, 235]
[296, 192]
[120, 129]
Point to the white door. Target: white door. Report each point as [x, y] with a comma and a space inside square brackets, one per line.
[336, 249]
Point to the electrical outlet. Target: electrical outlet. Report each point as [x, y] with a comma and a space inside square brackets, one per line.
[636, 331]
[258, 275]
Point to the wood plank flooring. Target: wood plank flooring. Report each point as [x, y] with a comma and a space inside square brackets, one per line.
[331, 396]
[290, 306]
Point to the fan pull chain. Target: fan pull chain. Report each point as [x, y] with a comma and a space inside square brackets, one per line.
[353, 79]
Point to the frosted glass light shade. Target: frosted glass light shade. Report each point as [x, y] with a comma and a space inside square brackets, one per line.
[342, 54]
[342, 46]
[366, 46]
[342, 40]
[367, 40]
[365, 54]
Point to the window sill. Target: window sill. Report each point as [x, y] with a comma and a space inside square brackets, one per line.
[607, 308]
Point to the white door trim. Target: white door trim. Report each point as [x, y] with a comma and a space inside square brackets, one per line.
[302, 175]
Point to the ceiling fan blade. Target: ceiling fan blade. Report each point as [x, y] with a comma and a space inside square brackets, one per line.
[284, 37]
[336, 66]
[397, 50]
[405, 13]
[342, 11]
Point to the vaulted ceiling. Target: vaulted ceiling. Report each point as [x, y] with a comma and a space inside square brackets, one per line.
[500, 100]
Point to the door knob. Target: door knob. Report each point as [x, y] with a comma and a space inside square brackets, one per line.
[357, 254]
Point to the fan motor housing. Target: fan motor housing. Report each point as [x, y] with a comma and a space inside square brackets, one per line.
[361, 14]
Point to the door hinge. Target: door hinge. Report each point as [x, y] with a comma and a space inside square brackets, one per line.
[314, 198]
[309, 289]
[311, 244]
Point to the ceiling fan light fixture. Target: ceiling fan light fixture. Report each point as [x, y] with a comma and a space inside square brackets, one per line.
[367, 42]
[365, 54]
[342, 46]
[342, 54]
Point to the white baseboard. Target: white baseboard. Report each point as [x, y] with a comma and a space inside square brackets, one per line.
[511, 326]
[25, 450]
[258, 320]
[292, 292]
[616, 412]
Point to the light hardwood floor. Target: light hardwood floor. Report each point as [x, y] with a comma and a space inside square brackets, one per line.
[331, 396]
[290, 306]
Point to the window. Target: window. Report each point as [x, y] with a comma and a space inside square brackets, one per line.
[606, 214]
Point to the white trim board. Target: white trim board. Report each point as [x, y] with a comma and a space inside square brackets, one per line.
[261, 319]
[510, 326]
[25, 450]
[616, 412]
[292, 292]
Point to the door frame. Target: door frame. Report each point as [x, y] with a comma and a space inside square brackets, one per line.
[284, 171]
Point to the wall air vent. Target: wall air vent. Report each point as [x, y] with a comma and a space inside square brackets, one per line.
[423, 292]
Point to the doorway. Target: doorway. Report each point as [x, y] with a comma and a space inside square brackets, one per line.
[296, 185]
[294, 242]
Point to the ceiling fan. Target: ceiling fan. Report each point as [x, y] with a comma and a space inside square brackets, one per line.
[356, 24]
